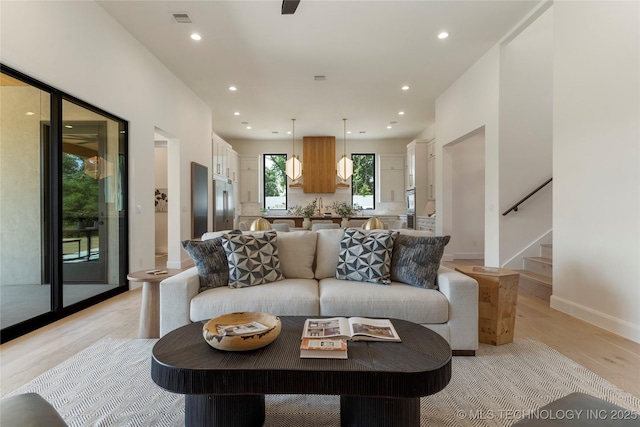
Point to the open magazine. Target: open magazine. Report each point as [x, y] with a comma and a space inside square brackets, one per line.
[351, 328]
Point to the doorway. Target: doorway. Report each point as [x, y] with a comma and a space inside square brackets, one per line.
[63, 208]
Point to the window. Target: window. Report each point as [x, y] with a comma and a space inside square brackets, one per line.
[363, 185]
[275, 181]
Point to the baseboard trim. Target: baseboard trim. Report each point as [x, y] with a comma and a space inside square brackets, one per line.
[597, 318]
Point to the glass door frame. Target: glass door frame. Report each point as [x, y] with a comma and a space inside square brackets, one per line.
[52, 206]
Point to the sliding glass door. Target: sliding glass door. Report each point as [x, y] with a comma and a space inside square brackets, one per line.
[63, 242]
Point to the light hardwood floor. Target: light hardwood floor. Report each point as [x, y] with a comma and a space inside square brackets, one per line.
[610, 356]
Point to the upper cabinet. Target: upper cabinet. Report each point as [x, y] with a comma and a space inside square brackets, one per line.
[416, 164]
[431, 170]
[249, 180]
[319, 164]
[391, 178]
[420, 173]
[225, 163]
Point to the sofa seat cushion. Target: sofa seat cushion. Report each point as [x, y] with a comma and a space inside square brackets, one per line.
[288, 297]
[396, 300]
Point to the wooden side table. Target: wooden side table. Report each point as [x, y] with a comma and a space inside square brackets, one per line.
[497, 298]
[149, 326]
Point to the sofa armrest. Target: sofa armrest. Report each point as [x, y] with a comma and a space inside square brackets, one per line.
[175, 299]
[462, 293]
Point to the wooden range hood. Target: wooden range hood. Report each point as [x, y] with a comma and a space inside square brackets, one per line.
[319, 164]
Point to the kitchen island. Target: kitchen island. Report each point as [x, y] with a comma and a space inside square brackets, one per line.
[298, 219]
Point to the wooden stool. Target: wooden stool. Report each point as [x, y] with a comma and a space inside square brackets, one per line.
[149, 326]
[497, 297]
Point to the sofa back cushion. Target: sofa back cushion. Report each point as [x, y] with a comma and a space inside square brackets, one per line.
[327, 251]
[297, 250]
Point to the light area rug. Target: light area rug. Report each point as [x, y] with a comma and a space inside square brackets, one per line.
[109, 384]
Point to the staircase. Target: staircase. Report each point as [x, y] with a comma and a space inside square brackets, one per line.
[536, 275]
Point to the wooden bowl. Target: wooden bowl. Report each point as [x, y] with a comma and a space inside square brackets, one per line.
[242, 331]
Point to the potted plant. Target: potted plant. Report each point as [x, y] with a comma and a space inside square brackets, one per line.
[304, 211]
[343, 210]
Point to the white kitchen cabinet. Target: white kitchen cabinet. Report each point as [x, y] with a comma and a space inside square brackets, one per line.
[223, 160]
[417, 173]
[391, 178]
[233, 162]
[426, 223]
[249, 179]
[431, 171]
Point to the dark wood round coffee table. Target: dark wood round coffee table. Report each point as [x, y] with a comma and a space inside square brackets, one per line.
[380, 384]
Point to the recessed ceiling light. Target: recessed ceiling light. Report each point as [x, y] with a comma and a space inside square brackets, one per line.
[233, 88]
[288, 132]
[68, 126]
[443, 35]
[401, 113]
[389, 127]
[405, 87]
[248, 127]
[349, 132]
[237, 113]
[196, 36]
[30, 113]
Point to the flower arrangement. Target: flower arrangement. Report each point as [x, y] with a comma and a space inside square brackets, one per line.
[344, 210]
[305, 211]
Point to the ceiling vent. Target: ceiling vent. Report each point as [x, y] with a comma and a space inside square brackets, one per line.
[181, 17]
[319, 78]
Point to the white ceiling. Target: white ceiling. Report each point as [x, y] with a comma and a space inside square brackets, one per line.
[366, 49]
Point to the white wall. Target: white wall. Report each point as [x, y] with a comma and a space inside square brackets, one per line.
[526, 141]
[596, 153]
[78, 48]
[596, 163]
[470, 106]
[468, 197]
[493, 96]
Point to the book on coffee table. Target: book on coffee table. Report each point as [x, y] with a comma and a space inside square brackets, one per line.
[323, 348]
[351, 328]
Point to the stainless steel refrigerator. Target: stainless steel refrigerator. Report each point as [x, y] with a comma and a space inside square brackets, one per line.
[223, 205]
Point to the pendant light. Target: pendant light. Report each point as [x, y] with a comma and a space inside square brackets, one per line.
[345, 164]
[294, 166]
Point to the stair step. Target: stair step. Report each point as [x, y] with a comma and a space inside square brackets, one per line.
[546, 250]
[539, 265]
[534, 284]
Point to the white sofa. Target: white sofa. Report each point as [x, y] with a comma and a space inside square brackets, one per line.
[308, 262]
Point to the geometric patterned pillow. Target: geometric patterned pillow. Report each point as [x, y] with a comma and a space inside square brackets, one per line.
[252, 259]
[365, 257]
[210, 260]
[416, 260]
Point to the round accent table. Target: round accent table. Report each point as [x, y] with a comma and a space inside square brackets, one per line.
[149, 326]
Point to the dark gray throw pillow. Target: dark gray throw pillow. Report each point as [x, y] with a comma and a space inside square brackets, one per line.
[416, 259]
[210, 260]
